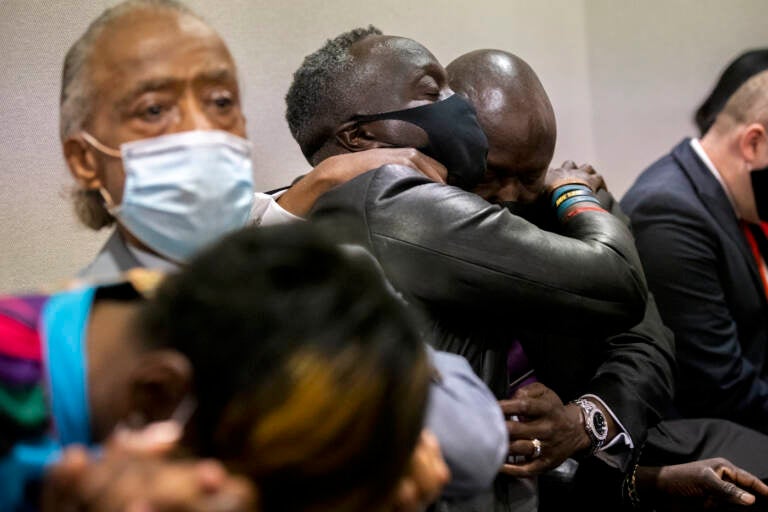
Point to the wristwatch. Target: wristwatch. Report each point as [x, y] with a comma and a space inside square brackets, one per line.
[594, 423]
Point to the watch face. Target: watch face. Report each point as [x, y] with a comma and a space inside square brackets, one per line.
[599, 424]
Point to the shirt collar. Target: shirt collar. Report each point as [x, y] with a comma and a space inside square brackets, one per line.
[699, 149]
[151, 261]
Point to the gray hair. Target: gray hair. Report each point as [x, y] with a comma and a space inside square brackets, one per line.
[75, 102]
[316, 99]
[75, 89]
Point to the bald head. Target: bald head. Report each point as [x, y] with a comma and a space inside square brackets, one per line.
[512, 107]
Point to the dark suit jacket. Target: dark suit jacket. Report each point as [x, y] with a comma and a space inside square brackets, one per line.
[631, 371]
[705, 279]
[484, 276]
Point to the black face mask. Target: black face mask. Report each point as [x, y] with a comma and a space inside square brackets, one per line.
[525, 210]
[760, 189]
[538, 212]
[456, 139]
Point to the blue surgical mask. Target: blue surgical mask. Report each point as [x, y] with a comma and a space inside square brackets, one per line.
[183, 191]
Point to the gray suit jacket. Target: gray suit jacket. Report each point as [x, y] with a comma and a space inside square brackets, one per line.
[115, 258]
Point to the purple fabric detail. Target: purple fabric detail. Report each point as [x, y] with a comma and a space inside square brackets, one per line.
[519, 369]
[24, 308]
[19, 372]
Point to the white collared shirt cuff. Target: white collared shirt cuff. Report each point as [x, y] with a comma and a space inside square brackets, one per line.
[266, 211]
[618, 452]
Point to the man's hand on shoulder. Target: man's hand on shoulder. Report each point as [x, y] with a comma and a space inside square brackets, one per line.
[338, 169]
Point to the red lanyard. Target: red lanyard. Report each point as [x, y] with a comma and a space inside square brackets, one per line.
[761, 268]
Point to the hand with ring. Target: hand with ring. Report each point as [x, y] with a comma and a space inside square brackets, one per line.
[548, 433]
[536, 448]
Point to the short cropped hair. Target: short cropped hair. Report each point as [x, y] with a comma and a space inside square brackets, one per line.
[749, 104]
[76, 99]
[316, 98]
[310, 375]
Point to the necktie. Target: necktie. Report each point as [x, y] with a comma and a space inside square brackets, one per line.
[758, 242]
[519, 369]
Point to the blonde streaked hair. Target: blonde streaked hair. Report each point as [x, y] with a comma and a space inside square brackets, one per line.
[324, 428]
[311, 377]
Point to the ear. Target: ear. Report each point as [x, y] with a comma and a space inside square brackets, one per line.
[82, 162]
[161, 380]
[751, 142]
[354, 136]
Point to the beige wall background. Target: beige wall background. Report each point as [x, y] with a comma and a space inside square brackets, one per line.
[624, 78]
[651, 63]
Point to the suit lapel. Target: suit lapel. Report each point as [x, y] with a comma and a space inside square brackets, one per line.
[716, 201]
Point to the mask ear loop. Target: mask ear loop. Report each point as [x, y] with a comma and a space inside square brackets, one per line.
[109, 203]
[90, 139]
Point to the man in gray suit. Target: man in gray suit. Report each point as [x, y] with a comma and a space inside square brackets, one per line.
[153, 133]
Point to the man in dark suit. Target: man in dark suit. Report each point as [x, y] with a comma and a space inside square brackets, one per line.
[699, 217]
[423, 235]
[475, 268]
[632, 373]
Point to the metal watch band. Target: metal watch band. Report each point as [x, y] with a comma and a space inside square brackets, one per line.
[592, 414]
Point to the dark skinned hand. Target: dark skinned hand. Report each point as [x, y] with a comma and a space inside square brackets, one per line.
[569, 172]
[710, 484]
[544, 417]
